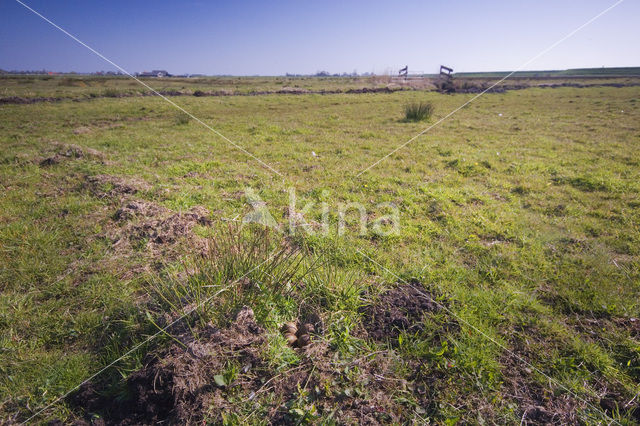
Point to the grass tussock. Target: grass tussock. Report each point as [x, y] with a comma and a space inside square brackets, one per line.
[242, 266]
[182, 118]
[418, 111]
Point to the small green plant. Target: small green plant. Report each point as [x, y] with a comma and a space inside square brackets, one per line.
[227, 377]
[418, 111]
[182, 118]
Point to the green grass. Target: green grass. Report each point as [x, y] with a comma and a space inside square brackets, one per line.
[521, 211]
[575, 72]
[87, 87]
[418, 111]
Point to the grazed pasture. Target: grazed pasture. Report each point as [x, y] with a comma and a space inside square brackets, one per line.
[509, 293]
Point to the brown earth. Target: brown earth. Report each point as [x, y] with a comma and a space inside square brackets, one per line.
[593, 325]
[159, 228]
[107, 186]
[159, 224]
[399, 309]
[137, 223]
[178, 385]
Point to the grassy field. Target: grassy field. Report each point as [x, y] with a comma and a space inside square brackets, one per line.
[607, 73]
[87, 87]
[83, 87]
[509, 292]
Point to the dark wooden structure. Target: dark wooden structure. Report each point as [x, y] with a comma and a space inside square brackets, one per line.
[446, 71]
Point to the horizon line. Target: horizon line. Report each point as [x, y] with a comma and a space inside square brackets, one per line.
[319, 73]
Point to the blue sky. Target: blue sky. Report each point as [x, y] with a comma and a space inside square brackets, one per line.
[275, 37]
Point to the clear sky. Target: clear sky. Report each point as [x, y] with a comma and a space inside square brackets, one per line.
[275, 37]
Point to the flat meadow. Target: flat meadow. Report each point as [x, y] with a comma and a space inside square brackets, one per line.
[488, 271]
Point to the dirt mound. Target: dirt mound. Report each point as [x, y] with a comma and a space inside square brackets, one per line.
[372, 90]
[161, 229]
[51, 161]
[138, 208]
[293, 90]
[103, 186]
[630, 324]
[64, 152]
[398, 309]
[169, 229]
[469, 86]
[139, 224]
[21, 100]
[179, 385]
[76, 151]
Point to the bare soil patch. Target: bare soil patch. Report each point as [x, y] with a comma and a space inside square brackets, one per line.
[179, 385]
[590, 323]
[137, 224]
[138, 221]
[138, 208]
[103, 186]
[399, 309]
[22, 100]
[168, 229]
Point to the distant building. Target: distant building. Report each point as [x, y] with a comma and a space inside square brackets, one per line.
[154, 73]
